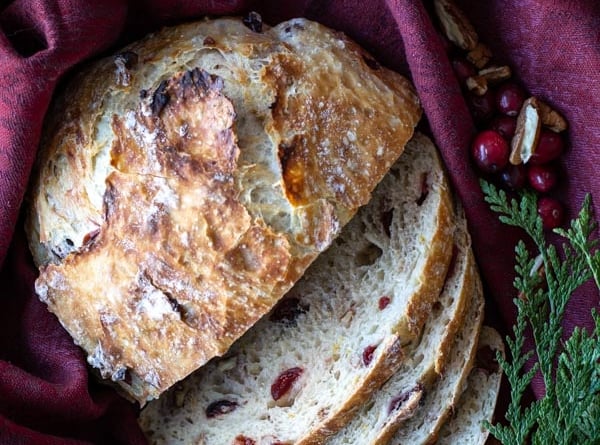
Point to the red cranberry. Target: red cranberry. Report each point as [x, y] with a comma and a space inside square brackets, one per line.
[514, 177]
[490, 151]
[284, 382]
[463, 69]
[549, 147]
[551, 212]
[542, 177]
[509, 99]
[505, 125]
[482, 107]
[384, 302]
[367, 355]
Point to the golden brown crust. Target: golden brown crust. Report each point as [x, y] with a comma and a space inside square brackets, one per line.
[436, 268]
[186, 183]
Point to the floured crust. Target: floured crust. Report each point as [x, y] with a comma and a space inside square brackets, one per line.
[186, 183]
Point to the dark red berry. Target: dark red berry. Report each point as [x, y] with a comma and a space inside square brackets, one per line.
[284, 382]
[549, 147]
[551, 212]
[482, 107]
[542, 178]
[514, 177]
[463, 69]
[490, 151]
[505, 125]
[384, 302]
[509, 99]
[367, 355]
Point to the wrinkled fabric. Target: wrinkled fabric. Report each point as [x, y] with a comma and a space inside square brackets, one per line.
[46, 393]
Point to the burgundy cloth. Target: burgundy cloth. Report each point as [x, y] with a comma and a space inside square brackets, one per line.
[46, 395]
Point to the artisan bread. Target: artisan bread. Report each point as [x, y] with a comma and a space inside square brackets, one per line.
[299, 374]
[186, 183]
[478, 401]
[378, 419]
[439, 400]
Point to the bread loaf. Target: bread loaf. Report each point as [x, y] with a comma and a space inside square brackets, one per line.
[299, 374]
[184, 184]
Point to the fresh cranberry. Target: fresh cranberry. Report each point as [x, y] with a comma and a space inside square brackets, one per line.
[549, 147]
[284, 382]
[509, 98]
[542, 177]
[514, 177]
[463, 69]
[482, 107]
[490, 151]
[551, 212]
[505, 125]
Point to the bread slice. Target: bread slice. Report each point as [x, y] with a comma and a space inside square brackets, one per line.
[184, 184]
[478, 401]
[297, 376]
[378, 419]
[443, 395]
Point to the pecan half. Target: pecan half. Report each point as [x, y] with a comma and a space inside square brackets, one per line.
[551, 118]
[494, 74]
[455, 24]
[480, 55]
[527, 133]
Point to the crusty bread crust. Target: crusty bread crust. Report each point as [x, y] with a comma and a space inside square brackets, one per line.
[186, 183]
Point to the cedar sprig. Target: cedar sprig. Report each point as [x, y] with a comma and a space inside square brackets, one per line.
[569, 412]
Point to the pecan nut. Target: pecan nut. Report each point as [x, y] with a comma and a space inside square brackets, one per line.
[527, 133]
[551, 118]
[480, 55]
[455, 24]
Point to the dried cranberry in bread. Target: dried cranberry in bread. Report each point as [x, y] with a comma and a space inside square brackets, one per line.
[478, 401]
[298, 375]
[377, 420]
[186, 183]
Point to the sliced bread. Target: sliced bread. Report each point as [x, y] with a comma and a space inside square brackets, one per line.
[300, 373]
[478, 401]
[444, 394]
[377, 420]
